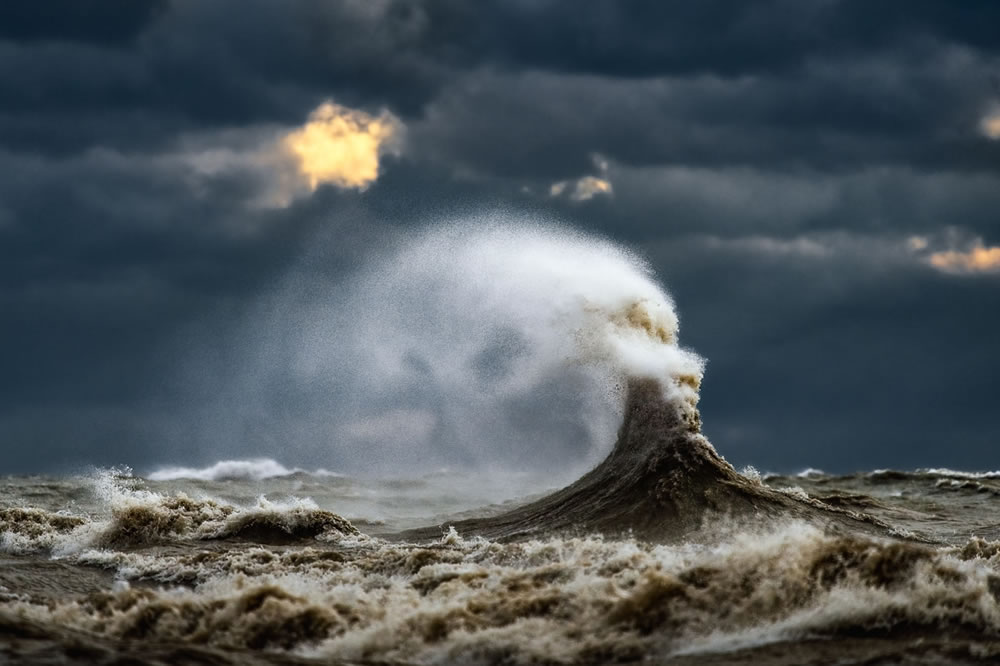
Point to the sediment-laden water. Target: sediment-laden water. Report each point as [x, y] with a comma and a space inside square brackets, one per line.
[663, 553]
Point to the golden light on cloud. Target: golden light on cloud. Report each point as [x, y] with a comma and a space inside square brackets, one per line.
[590, 186]
[990, 125]
[978, 259]
[342, 146]
[582, 189]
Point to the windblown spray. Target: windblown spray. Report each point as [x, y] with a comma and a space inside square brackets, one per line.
[496, 342]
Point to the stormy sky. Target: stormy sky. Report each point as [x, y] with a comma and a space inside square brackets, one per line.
[817, 183]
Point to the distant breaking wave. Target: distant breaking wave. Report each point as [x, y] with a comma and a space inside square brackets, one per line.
[956, 474]
[228, 470]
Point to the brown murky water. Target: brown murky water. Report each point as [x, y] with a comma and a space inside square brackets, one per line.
[662, 554]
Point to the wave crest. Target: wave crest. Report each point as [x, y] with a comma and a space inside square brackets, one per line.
[139, 518]
[254, 469]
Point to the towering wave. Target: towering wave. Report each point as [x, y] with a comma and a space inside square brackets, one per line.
[591, 304]
[496, 345]
[663, 481]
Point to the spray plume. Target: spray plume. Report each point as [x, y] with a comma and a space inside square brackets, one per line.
[495, 342]
[487, 344]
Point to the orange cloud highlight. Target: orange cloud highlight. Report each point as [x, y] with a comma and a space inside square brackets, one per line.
[583, 189]
[978, 259]
[342, 146]
[590, 186]
[991, 125]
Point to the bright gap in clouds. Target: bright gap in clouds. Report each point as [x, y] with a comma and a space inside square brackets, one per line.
[342, 146]
[990, 125]
[978, 259]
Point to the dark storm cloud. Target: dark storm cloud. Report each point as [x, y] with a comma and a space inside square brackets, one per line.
[739, 201]
[772, 159]
[726, 37]
[825, 118]
[823, 85]
[198, 65]
[107, 22]
[793, 82]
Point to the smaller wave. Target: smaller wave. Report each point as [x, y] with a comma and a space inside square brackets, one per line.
[254, 469]
[136, 517]
[554, 600]
[929, 473]
[810, 473]
[966, 485]
[158, 519]
[955, 474]
[27, 529]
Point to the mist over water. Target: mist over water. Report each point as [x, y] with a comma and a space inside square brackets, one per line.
[498, 344]
[494, 345]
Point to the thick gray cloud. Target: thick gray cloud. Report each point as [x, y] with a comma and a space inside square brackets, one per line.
[788, 167]
[105, 22]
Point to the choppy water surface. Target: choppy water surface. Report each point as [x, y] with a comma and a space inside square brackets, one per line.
[709, 566]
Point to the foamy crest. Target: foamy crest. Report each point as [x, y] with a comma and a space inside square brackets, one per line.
[228, 470]
[956, 474]
[579, 600]
[571, 297]
[810, 473]
[135, 517]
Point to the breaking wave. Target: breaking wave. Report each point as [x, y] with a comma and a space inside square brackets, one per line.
[955, 474]
[664, 482]
[229, 470]
[135, 517]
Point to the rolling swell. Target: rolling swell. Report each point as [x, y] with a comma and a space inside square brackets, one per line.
[661, 482]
